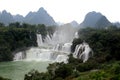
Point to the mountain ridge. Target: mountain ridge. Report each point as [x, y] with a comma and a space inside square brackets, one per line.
[6, 17]
[95, 20]
[74, 23]
[92, 19]
[39, 17]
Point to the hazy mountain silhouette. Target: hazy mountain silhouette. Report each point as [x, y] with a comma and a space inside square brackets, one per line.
[6, 17]
[18, 18]
[103, 22]
[95, 20]
[92, 19]
[39, 17]
[116, 24]
[74, 23]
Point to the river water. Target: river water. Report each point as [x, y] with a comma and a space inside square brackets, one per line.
[15, 70]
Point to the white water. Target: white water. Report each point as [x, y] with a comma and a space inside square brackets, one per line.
[39, 40]
[82, 51]
[18, 56]
[42, 54]
[66, 48]
[76, 35]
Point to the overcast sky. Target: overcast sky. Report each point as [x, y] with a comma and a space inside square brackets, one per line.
[65, 10]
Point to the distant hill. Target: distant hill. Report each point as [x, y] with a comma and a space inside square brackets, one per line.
[39, 17]
[18, 18]
[117, 24]
[6, 17]
[103, 22]
[95, 20]
[74, 23]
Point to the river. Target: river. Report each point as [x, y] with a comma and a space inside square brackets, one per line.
[15, 70]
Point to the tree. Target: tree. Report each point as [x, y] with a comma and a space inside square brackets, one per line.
[16, 24]
[63, 71]
[2, 25]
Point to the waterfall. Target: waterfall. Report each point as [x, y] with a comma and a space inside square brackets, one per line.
[82, 51]
[62, 58]
[19, 56]
[76, 35]
[66, 48]
[48, 39]
[58, 47]
[39, 40]
[55, 48]
[58, 53]
[40, 54]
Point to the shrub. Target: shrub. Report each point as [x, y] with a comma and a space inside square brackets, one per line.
[1, 78]
[63, 71]
[99, 75]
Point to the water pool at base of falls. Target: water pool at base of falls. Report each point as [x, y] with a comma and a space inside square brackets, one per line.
[15, 70]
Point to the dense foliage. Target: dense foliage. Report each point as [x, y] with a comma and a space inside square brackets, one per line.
[18, 36]
[1, 78]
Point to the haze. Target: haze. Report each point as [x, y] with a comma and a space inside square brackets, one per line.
[64, 10]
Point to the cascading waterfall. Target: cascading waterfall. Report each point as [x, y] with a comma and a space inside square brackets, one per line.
[48, 39]
[76, 35]
[60, 43]
[19, 56]
[39, 40]
[38, 54]
[67, 47]
[82, 51]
